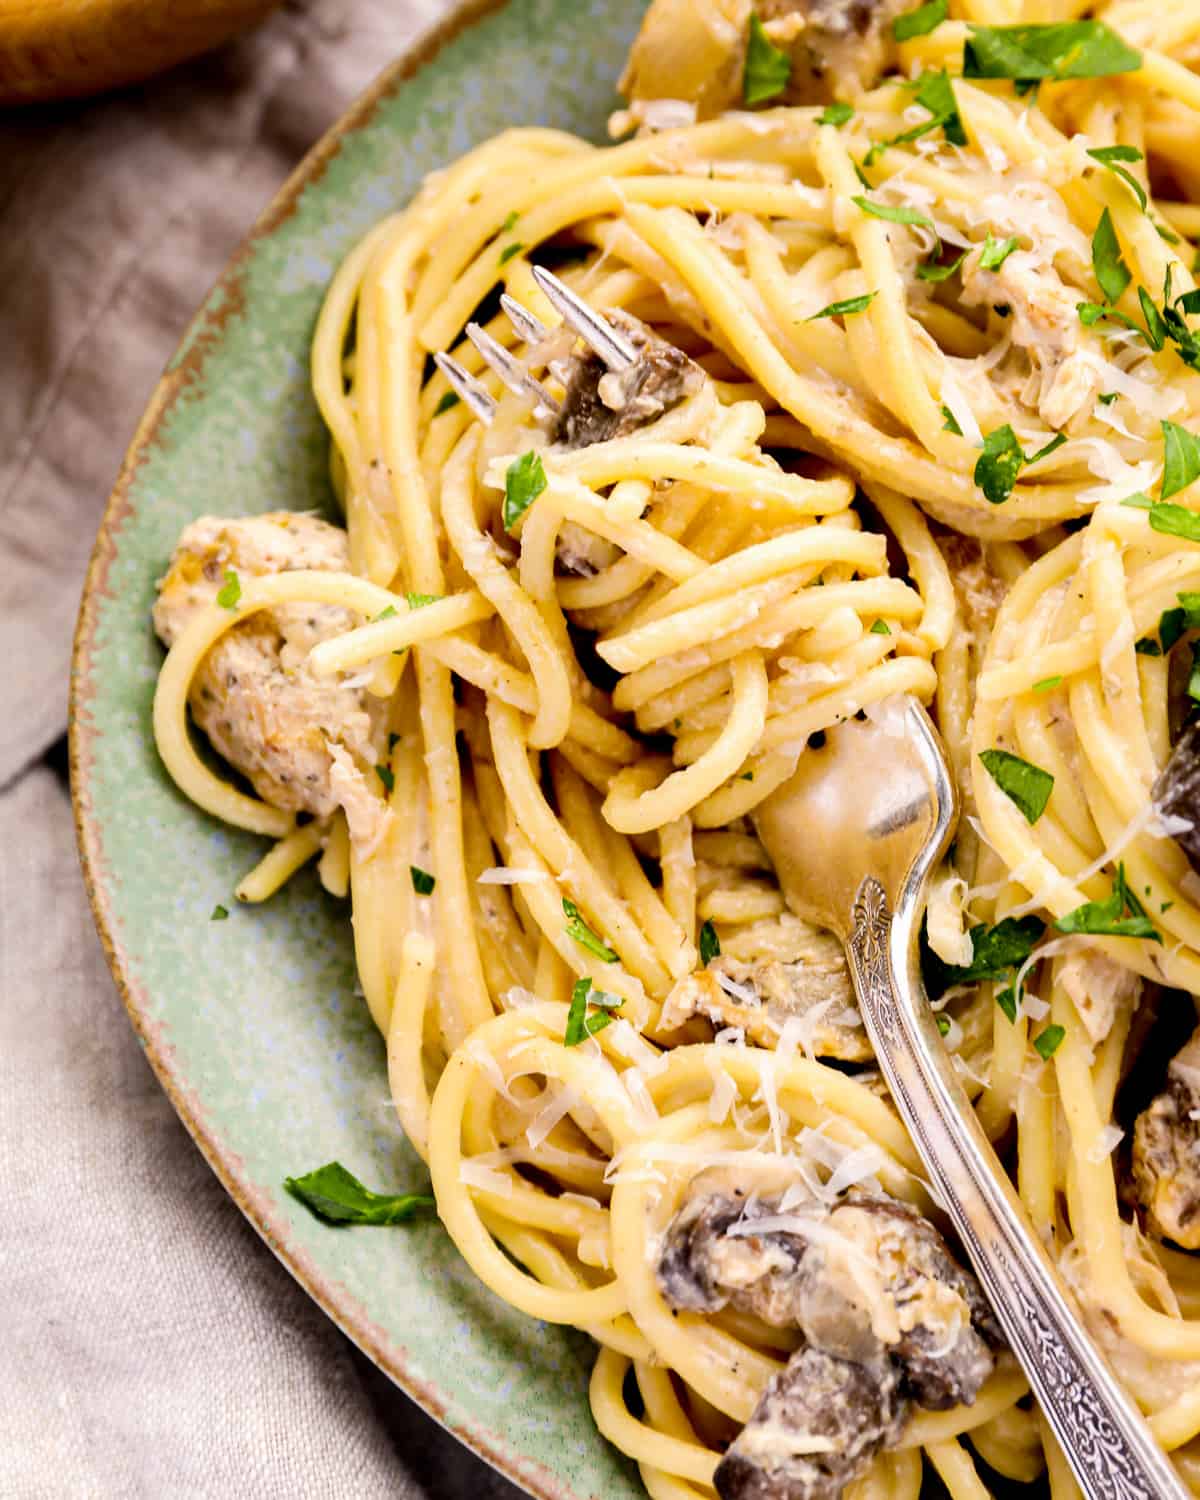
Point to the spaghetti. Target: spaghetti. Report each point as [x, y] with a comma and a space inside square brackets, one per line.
[932, 429]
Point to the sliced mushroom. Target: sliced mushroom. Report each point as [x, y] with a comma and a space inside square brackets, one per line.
[872, 1288]
[1177, 790]
[817, 1426]
[1166, 1152]
[600, 403]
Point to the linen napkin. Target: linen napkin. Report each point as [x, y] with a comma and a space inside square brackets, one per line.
[150, 1345]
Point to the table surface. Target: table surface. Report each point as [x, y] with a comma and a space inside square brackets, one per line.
[153, 1345]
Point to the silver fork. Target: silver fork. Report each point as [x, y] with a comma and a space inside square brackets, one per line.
[853, 837]
[597, 332]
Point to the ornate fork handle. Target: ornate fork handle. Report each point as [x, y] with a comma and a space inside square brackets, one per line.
[1103, 1436]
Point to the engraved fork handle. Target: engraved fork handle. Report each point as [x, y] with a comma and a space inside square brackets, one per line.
[1103, 1436]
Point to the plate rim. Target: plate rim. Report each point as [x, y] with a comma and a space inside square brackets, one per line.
[182, 367]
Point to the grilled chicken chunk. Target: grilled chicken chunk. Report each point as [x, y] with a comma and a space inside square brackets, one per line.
[695, 50]
[1063, 380]
[600, 404]
[774, 972]
[1177, 790]
[1166, 1152]
[876, 1294]
[294, 736]
[817, 1426]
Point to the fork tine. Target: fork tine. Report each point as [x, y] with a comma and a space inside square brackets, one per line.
[615, 350]
[511, 371]
[525, 325]
[467, 387]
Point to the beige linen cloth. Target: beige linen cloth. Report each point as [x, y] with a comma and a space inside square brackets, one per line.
[150, 1346]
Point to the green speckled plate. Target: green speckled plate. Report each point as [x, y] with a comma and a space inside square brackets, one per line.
[253, 1024]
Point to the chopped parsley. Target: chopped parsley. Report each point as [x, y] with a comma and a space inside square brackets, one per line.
[219, 914]
[1024, 784]
[1108, 398]
[943, 1025]
[579, 1023]
[997, 467]
[385, 775]
[1171, 625]
[1181, 461]
[836, 114]
[894, 213]
[1048, 1041]
[337, 1196]
[996, 252]
[451, 398]
[843, 309]
[510, 222]
[1006, 999]
[384, 614]
[1112, 157]
[920, 22]
[951, 422]
[1112, 274]
[935, 93]
[524, 481]
[937, 270]
[578, 929]
[1027, 54]
[230, 592]
[1122, 915]
[1046, 684]
[995, 953]
[880, 627]
[1002, 459]
[710, 944]
[419, 601]
[509, 251]
[422, 881]
[768, 69]
[1175, 520]
[1147, 646]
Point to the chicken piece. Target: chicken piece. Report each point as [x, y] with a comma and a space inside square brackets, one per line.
[1166, 1152]
[980, 592]
[600, 403]
[1176, 793]
[694, 51]
[1063, 379]
[775, 972]
[253, 694]
[863, 1278]
[817, 1426]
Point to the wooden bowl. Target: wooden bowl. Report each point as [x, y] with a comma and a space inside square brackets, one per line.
[61, 49]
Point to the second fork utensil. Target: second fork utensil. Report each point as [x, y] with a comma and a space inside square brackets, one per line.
[854, 836]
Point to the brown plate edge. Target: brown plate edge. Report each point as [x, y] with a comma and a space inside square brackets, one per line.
[534, 1477]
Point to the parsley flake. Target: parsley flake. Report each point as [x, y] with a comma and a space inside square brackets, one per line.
[1023, 783]
[1069, 49]
[836, 114]
[1111, 157]
[844, 309]
[510, 222]
[337, 1196]
[1112, 274]
[384, 614]
[997, 467]
[710, 944]
[509, 251]
[1046, 684]
[579, 1023]
[1048, 1041]
[892, 212]
[449, 399]
[943, 1025]
[524, 481]
[230, 593]
[386, 776]
[1122, 915]
[419, 601]
[1181, 460]
[996, 252]
[422, 881]
[219, 914]
[920, 22]
[578, 929]
[880, 627]
[951, 422]
[768, 69]
[995, 952]
[935, 270]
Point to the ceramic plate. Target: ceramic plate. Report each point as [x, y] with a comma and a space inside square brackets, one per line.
[253, 1024]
